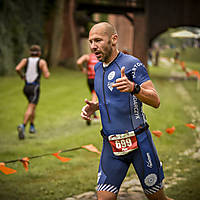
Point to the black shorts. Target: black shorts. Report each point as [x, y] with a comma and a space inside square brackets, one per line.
[32, 93]
[91, 84]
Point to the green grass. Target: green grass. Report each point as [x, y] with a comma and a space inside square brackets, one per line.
[60, 127]
[177, 108]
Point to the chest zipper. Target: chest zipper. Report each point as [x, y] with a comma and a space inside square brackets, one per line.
[105, 97]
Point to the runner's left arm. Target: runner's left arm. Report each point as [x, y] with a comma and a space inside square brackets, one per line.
[80, 62]
[147, 93]
[44, 68]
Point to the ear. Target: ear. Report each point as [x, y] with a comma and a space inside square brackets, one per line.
[114, 39]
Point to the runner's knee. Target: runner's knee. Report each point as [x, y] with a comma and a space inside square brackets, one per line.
[29, 112]
[104, 195]
[159, 195]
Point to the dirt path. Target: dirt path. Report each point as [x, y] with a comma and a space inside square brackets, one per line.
[130, 190]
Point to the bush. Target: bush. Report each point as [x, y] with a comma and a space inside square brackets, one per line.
[22, 24]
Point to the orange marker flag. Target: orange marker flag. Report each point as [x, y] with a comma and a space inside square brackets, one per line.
[170, 130]
[92, 148]
[157, 133]
[182, 65]
[63, 159]
[25, 162]
[194, 72]
[190, 126]
[6, 170]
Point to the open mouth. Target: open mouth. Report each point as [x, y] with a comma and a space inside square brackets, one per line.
[98, 54]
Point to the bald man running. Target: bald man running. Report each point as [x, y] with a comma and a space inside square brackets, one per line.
[122, 84]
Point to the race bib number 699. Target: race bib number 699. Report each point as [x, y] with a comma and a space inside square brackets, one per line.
[123, 143]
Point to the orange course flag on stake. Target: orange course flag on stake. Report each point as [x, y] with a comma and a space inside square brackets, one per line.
[92, 148]
[170, 130]
[6, 170]
[190, 126]
[25, 162]
[63, 159]
[157, 133]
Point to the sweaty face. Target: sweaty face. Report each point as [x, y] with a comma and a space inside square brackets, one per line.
[100, 45]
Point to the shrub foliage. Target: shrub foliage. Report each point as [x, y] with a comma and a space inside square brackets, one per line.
[21, 24]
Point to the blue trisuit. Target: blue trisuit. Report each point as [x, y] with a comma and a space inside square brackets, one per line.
[121, 112]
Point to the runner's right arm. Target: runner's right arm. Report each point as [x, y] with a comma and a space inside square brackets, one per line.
[89, 109]
[19, 67]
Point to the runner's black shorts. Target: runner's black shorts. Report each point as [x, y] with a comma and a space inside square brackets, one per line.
[91, 84]
[32, 92]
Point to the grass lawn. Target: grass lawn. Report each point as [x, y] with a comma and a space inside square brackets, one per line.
[60, 127]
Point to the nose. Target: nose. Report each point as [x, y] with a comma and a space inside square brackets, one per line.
[93, 45]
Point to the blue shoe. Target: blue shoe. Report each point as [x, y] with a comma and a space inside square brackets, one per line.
[32, 129]
[21, 131]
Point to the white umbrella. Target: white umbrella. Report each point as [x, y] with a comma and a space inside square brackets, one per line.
[184, 34]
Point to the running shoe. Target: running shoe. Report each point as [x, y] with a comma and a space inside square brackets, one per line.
[32, 129]
[21, 131]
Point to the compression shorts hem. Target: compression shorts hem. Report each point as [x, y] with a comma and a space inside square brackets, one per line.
[154, 189]
[108, 188]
